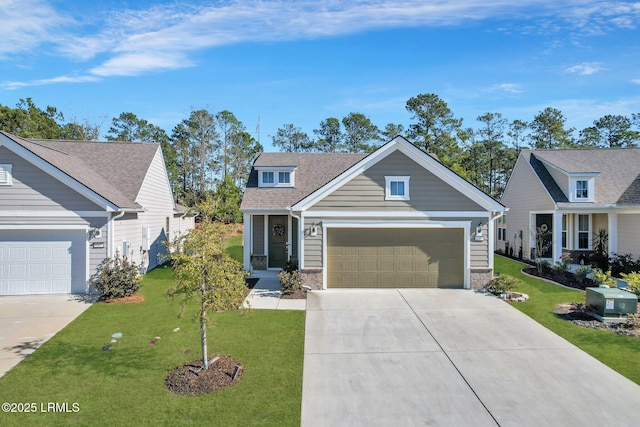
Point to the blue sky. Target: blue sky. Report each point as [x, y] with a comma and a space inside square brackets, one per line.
[303, 61]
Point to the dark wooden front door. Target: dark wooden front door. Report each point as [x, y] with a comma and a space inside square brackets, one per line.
[278, 238]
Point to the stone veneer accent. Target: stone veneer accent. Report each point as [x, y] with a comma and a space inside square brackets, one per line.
[259, 262]
[312, 277]
[480, 277]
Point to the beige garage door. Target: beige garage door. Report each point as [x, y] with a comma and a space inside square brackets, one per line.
[395, 258]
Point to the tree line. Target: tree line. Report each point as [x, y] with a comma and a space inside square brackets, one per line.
[211, 153]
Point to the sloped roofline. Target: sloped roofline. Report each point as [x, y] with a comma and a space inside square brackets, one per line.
[11, 143]
[522, 156]
[401, 144]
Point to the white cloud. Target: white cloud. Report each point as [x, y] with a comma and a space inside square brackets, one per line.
[635, 81]
[586, 68]
[165, 36]
[506, 87]
[27, 24]
[60, 79]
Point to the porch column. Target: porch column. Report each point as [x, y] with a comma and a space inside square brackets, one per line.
[612, 227]
[246, 240]
[557, 236]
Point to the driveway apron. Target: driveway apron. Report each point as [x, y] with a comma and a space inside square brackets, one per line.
[452, 358]
[28, 321]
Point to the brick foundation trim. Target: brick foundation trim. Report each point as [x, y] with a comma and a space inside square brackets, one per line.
[480, 277]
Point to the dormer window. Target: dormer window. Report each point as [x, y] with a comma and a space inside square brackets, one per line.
[284, 177]
[267, 178]
[581, 189]
[275, 176]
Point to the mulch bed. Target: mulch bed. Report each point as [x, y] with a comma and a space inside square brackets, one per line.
[190, 380]
[579, 315]
[299, 294]
[131, 299]
[566, 278]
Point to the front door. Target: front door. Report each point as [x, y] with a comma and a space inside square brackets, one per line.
[544, 235]
[278, 238]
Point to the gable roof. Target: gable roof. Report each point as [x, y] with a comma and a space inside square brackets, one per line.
[313, 170]
[114, 171]
[322, 173]
[617, 169]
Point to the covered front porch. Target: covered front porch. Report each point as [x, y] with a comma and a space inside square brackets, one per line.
[573, 233]
[270, 240]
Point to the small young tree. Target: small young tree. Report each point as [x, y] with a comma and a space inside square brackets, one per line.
[543, 239]
[205, 272]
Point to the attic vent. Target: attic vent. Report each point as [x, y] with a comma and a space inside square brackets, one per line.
[5, 175]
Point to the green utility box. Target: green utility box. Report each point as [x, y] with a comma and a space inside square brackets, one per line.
[611, 304]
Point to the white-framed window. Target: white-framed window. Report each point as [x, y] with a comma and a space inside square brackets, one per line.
[397, 188]
[582, 189]
[6, 178]
[564, 232]
[502, 234]
[284, 177]
[584, 230]
[268, 177]
[276, 178]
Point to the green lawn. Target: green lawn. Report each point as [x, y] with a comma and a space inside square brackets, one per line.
[621, 353]
[234, 247]
[125, 386]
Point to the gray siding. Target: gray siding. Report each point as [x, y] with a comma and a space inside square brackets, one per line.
[524, 193]
[258, 235]
[33, 189]
[312, 245]
[426, 191]
[629, 234]
[97, 245]
[156, 198]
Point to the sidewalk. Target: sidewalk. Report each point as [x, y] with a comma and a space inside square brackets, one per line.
[266, 294]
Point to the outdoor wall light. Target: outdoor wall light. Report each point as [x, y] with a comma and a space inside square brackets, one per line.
[479, 237]
[313, 232]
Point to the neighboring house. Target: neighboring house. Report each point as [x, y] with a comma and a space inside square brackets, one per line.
[65, 206]
[393, 218]
[572, 194]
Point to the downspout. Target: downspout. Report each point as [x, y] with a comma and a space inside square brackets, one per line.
[300, 229]
[112, 233]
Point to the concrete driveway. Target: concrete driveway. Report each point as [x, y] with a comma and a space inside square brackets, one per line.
[27, 321]
[451, 358]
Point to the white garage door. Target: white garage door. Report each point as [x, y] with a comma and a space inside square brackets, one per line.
[36, 267]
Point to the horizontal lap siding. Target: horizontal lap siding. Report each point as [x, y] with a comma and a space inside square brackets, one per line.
[524, 193]
[312, 245]
[34, 189]
[367, 191]
[156, 198]
[629, 234]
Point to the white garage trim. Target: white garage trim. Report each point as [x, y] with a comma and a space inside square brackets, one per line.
[43, 261]
[465, 225]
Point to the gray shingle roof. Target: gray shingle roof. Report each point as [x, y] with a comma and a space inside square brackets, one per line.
[114, 170]
[313, 170]
[619, 169]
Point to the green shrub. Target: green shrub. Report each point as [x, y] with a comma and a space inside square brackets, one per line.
[624, 263]
[116, 278]
[604, 278]
[582, 273]
[290, 281]
[633, 281]
[502, 284]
